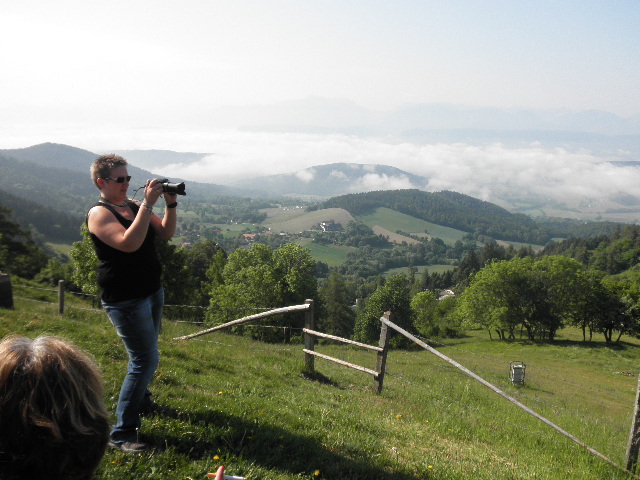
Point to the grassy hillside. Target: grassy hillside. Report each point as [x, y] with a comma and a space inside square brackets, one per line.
[446, 208]
[298, 220]
[332, 255]
[393, 220]
[247, 406]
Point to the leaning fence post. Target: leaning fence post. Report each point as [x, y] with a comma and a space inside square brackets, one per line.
[308, 338]
[633, 446]
[61, 297]
[381, 363]
[6, 292]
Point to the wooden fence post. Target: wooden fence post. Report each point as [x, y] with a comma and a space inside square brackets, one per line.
[309, 340]
[381, 363]
[6, 292]
[633, 446]
[61, 297]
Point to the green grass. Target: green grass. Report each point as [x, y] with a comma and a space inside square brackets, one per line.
[59, 248]
[419, 269]
[393, 220]
[246, 405]
[332, 255]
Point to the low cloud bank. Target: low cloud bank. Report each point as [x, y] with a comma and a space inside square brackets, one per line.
[487, 172]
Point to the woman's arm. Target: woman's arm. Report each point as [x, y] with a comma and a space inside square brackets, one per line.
[166, 227]
[104, 225]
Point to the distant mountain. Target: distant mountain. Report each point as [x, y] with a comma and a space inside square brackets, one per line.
[54, 155]
[58, 175]
[323, 115]
[333, 179]
[156, 159]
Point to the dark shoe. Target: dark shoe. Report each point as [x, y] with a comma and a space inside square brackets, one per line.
[130, 447]
[154, 409]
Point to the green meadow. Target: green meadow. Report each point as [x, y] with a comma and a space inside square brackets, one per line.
[248, 406]
[393, 220]
[332, 255]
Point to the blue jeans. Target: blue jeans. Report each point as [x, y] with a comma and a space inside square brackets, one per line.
[138, 323]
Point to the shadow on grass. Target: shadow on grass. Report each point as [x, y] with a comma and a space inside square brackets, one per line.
[271, 448]
[316, 376]
[586, 345]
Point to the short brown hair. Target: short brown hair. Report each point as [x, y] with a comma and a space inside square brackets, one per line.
[103, 165]
[53, 421]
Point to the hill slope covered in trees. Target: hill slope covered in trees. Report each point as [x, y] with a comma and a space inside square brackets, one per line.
[449, 209]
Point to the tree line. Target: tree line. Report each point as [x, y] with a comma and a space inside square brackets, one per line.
[592, 284]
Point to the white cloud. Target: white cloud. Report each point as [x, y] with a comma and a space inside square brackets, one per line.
[486, 172]
[373, 181]
[306, 175]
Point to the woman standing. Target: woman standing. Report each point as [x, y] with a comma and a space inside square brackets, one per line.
[123, 233]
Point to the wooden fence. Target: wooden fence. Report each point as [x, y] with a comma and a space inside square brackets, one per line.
[309, 342]
[382, 349]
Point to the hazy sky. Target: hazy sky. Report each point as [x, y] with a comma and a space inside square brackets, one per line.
[101, 57]
[124, 74]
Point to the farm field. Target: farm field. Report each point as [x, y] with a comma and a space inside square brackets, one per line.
[419, 269]
[332, 255]
[298, 220]
[392, 220]
[247, 405]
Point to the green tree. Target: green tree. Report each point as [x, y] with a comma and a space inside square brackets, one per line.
[198, 260]
[85, 264]
[258, 279]
[56, 271]
[504, 295]
[19, 255]
[392, 296]
[339, 316]
[433, 317]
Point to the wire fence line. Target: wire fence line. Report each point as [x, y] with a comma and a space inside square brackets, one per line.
[430, 341]
[175, 320]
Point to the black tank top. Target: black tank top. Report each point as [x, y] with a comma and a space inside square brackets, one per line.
[125, 276]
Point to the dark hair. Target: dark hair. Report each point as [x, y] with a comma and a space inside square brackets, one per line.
[53, 421]
[102, 166]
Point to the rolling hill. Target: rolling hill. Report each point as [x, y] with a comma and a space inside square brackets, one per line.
[57, 177]
[333, 179]
[449, 209]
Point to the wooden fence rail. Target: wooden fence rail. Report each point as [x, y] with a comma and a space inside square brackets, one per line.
[307, 306]
[382, 350]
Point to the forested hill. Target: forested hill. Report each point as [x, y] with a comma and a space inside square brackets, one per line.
[450, 209]
[54, 224]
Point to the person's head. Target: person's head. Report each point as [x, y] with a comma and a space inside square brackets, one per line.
[53, 421]
[104, 165]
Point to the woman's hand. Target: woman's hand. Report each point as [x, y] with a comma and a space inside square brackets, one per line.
[170, 198]
[152, 191]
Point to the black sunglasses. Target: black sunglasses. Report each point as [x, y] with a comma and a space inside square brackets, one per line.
[120, 179]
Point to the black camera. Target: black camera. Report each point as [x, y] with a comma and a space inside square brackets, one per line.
[168, 187]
